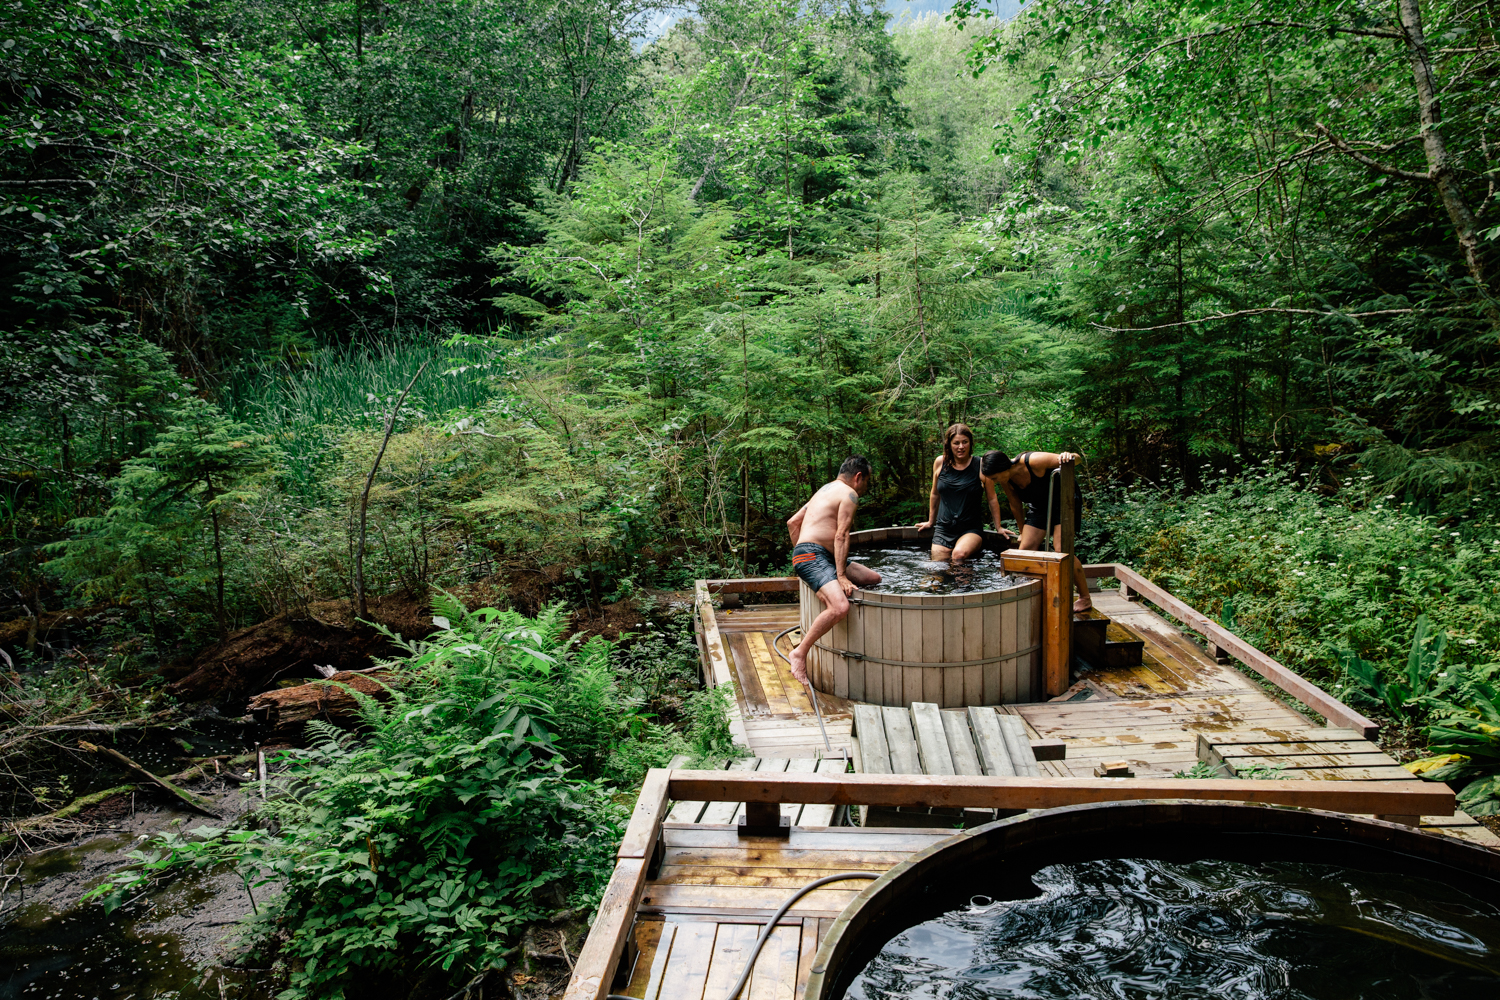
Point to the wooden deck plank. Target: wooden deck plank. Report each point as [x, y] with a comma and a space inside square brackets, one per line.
[960, 743]
[759, 658]
[652, 949]
[743, 900]
[822, 815]
[838, 838]
[795, 693]
[685, 972]
[809, 948]
[932, 739]
[775, 973]
[725, 812]
[989, 738]
[1294, 762]
[1021, 757]
[747, 684]
[874, 751]
[903, 744]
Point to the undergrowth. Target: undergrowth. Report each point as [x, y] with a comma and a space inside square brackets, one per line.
[483, 794]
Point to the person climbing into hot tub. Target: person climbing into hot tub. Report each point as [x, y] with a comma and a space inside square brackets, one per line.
[820, 552]
[956, 504]
[1027, 480]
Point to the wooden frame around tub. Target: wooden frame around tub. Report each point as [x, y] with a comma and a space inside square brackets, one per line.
[594, 971]
[1286, 679]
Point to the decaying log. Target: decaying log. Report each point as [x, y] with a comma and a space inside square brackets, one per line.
[192, 801]
[287, 708]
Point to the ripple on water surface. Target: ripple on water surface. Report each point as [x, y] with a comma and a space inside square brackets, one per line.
[1206, 929]
[913, 571]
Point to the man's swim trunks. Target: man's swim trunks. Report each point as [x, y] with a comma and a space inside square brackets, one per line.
[814, 564]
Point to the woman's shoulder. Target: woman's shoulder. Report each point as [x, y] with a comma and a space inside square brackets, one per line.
[937, 463]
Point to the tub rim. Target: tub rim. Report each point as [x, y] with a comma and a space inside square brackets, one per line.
[1082, 820]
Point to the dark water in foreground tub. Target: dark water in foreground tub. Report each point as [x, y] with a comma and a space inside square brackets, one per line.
[912, 571]
[1217, 930]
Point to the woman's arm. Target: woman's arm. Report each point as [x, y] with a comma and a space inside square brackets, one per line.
[989, 492]
[1014, 501]
[932, 497]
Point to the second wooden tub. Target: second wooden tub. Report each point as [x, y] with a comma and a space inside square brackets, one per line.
[955, 650]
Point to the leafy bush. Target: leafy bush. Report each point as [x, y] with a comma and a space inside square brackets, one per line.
[472, 799]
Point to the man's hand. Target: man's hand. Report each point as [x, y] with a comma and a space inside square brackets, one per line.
[847, 585]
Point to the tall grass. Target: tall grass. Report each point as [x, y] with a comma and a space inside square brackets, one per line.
[306, 403]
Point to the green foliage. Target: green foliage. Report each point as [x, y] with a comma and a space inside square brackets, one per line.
[1405, 695]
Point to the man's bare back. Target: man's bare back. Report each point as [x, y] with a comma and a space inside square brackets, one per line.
[820, 515]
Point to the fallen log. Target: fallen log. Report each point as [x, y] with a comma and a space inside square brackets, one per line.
[286, 709]
[192, 801]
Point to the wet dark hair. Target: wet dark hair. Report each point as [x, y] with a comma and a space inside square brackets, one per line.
[949, 435]
[993, 463]
[855, 465]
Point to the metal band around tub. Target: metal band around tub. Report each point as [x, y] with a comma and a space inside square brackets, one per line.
[1012, 595]
[910, 663]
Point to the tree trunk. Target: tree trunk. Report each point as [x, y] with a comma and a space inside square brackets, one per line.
[1439, 166]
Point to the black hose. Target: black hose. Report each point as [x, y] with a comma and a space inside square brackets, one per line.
[765, 934]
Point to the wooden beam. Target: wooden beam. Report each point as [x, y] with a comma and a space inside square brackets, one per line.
[1066, 473]
[752, 585]
[1288, 680]
[645, 822]
[717, 670]
[594, 972]
[970, 792]
[1057, 611]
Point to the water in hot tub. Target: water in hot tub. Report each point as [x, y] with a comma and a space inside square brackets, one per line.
[913, 571]
[1204, 930]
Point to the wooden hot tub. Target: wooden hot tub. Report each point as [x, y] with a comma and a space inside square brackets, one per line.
[955, 650]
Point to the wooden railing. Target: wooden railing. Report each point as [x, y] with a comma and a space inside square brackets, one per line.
[1288, 680]
[595, 968]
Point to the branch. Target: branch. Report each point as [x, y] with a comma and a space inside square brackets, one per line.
[1373, 164]
[1258, 312]
[58, 181]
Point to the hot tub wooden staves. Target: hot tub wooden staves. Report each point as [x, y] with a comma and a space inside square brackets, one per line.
[953, 650]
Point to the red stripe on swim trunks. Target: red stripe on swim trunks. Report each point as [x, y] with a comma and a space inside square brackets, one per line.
[802, 557]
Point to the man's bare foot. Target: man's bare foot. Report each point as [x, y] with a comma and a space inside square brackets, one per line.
[798, 660]
[1083, 604]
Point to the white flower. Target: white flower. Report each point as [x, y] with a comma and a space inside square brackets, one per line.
[1307, 562]
[1454, 534]
[1299, 572]
[1471, 642]
[1400, 567]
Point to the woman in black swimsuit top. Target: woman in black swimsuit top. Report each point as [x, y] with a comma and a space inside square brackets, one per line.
[960, 493]
[1027, 480]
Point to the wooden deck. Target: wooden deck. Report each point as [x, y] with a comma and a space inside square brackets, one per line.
[690, 893]
[699, 917]
[1150, 716]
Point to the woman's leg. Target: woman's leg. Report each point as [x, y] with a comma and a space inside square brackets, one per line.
[941, 553]
[1084, 602]
[966, 546]
[1031, 538]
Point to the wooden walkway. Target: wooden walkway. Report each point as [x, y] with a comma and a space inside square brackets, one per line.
[700, 915]
[778, 716]
[1149, 716]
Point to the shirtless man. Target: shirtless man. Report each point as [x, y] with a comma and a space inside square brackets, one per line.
[820, 552]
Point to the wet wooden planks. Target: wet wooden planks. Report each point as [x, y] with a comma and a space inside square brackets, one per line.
[729, 813]
[778, 715]
[701, 915]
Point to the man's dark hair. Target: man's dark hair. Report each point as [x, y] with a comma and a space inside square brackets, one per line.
[855, 465]
[992, 463]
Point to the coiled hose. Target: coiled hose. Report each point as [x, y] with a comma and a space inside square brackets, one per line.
[765, 934]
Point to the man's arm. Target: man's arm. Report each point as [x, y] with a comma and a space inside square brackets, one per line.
[794, 524]
[847, 506]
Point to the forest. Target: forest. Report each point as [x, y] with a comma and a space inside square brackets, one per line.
[329, 326]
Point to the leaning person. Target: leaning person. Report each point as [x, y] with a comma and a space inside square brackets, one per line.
[960, 493]
[1028, 484]
[820, 552]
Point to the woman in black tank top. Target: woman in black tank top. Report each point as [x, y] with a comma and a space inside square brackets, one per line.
[960, 494]
[1032, 490]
